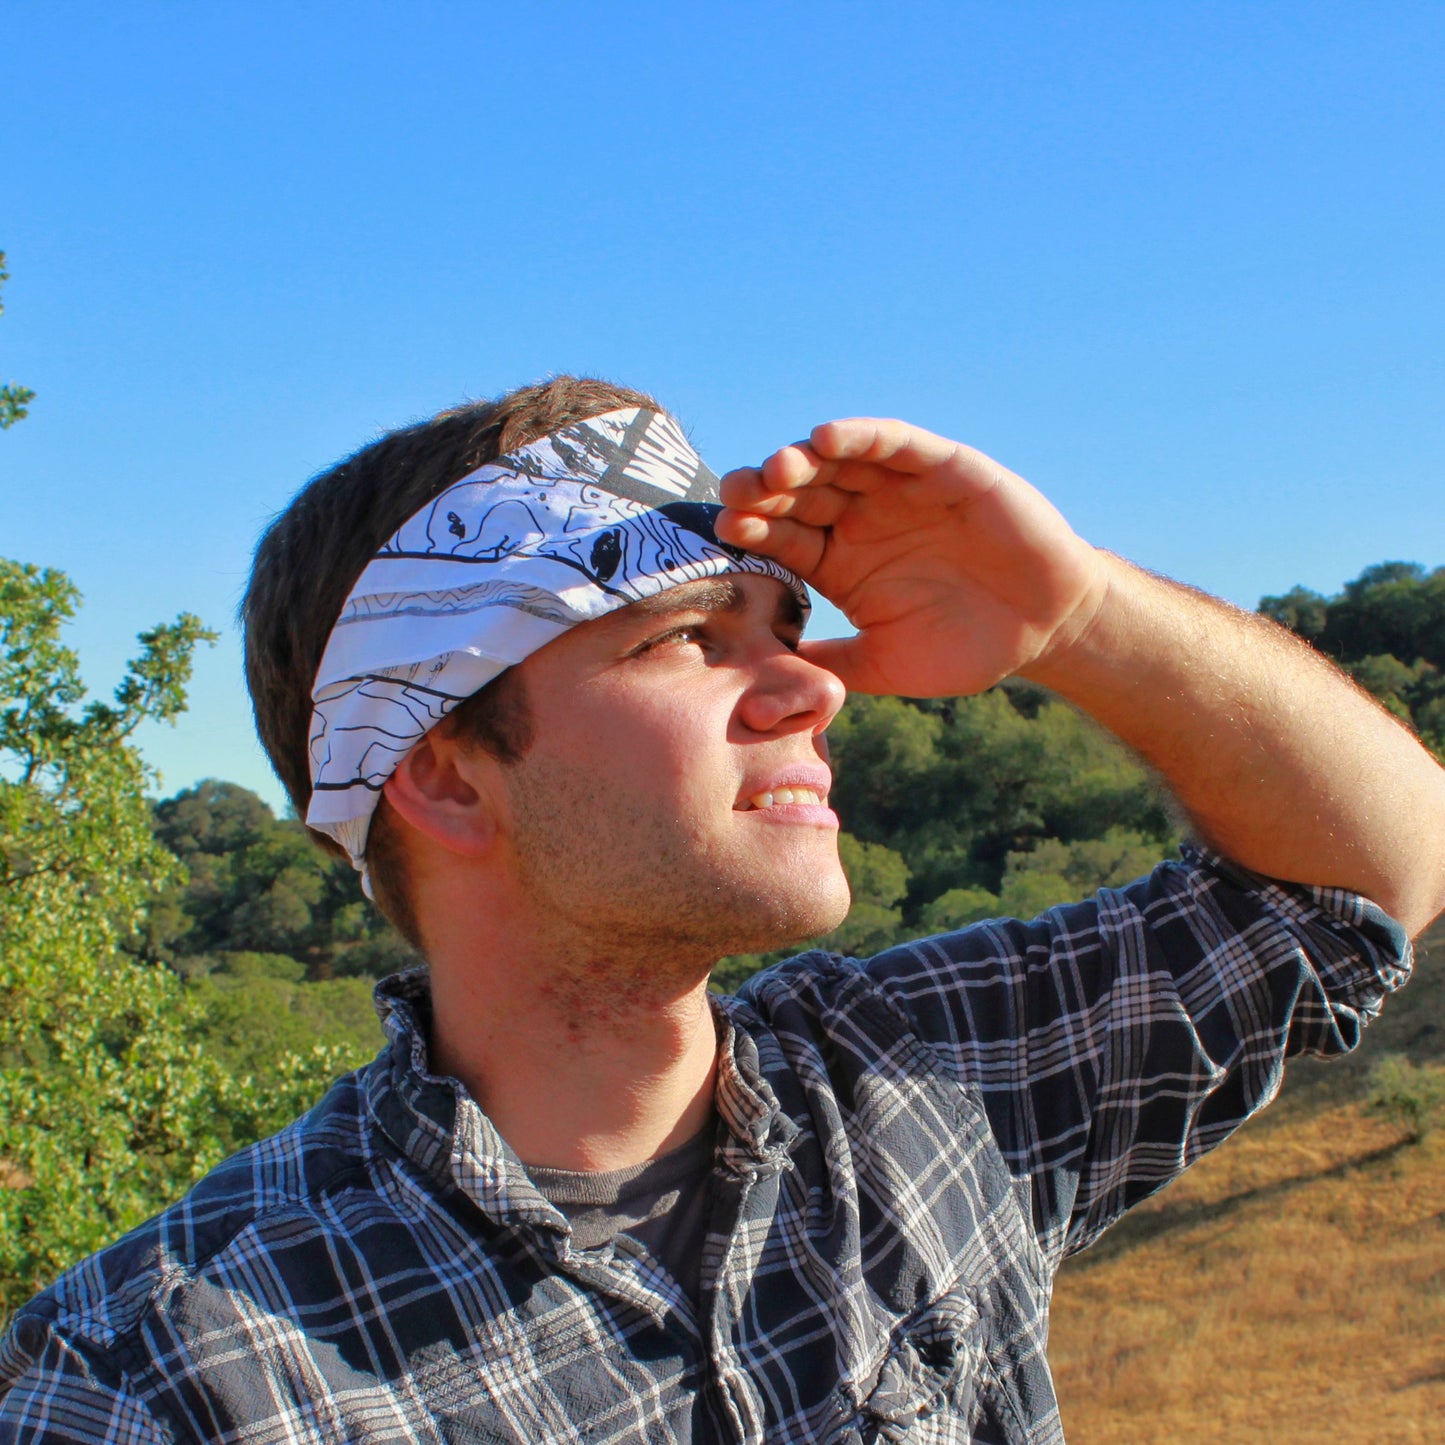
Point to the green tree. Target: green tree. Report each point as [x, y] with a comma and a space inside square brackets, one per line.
[109, 1103]
[956, 785]
[14, 399]
[1054, 872]
[203, 827]
[260, 1007]
[878, 879]
[1389, 680]
[1394, 607]
[1304, 612]
[959, 809]
[104, 1098]
[1387, 629]
[957, 908]
[886, 755]
[256, 884]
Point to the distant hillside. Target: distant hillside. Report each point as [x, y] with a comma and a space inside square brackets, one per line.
[1291, 1287]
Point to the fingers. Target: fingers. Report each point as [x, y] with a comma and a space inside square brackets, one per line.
[790, 494]
[789, 469]
[896, 445]
[798, 546]
[746, 489]
[800, 468]
[884, 476]
[849, 659]
[859, 455]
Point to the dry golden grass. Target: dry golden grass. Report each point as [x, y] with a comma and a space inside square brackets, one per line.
[1290, 1288]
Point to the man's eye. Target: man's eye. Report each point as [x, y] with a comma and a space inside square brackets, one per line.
[678, 636]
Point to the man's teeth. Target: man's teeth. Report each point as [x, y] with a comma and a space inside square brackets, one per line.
[786, 795]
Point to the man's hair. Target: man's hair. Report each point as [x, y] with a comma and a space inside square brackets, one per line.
[311, 555]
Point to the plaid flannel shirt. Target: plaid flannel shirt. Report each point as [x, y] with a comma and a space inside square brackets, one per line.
[908, 1148]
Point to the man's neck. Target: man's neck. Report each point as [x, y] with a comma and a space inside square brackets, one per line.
[585, 1068]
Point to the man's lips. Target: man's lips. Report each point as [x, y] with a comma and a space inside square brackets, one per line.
[796, 790]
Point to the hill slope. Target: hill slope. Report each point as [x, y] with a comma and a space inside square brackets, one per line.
[1290, 1288]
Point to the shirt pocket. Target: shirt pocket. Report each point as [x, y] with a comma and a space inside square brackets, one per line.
[936, 1385]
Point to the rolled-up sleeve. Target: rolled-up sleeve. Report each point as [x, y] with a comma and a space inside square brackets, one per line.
[1114, 1041]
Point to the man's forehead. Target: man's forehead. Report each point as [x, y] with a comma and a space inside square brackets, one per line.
[719, 594]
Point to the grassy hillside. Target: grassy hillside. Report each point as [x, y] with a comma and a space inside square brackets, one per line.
[1291, 1287]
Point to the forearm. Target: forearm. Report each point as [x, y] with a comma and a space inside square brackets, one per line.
[1279, 759]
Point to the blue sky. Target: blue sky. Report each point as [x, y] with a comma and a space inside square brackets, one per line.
[1179, 264]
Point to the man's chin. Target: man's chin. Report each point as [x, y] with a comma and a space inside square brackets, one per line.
[797, 923]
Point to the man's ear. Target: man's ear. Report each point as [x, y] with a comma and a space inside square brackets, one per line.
[448, 793]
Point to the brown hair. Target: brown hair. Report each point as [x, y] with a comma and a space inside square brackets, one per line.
[309, 557]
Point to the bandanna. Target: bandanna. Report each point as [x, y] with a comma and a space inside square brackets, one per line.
[604, 512]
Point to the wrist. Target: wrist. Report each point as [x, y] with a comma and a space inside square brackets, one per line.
[1092, 643]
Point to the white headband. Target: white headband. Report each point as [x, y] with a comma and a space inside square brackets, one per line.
[600, 514]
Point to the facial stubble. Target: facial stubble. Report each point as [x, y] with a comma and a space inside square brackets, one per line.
[652, 904]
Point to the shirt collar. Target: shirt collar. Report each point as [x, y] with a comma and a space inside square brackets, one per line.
[440, 1128]
[758, 1133]
[435, 1123]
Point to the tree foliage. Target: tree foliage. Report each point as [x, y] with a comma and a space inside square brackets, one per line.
[14, 399]
[1410, 1095]
[1010, 802]
[980, 781]
[256, 884]
[261, 1006]
[110, 1101]
[1387, 629]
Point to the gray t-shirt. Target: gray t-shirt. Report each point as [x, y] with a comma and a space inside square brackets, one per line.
[661, 1203]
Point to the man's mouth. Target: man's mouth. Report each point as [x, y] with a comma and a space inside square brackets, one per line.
[781, 796]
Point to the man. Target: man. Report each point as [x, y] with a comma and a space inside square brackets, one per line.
[555, 704]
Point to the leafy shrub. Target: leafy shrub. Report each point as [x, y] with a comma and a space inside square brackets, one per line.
[1408, 1094]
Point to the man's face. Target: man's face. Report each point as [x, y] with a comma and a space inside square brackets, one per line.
[673, 803]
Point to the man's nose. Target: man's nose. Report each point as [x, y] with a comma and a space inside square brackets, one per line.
[791, 694]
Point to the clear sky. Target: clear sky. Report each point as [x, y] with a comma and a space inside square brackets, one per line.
[1182, 265]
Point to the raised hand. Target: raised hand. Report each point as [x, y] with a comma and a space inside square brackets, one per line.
[955, 572]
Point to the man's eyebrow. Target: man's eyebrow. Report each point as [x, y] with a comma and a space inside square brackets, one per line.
[721, 594]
